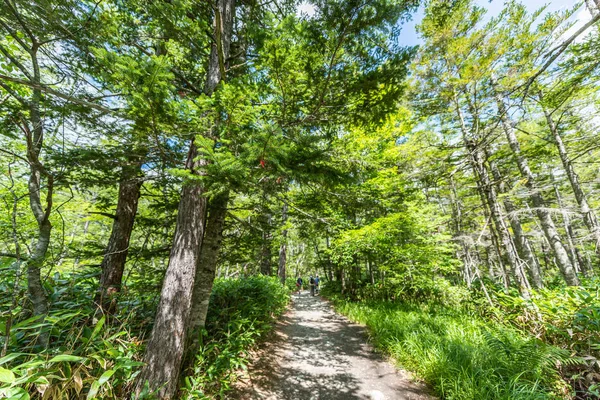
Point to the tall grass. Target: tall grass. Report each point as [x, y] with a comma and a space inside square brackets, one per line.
[459, 354]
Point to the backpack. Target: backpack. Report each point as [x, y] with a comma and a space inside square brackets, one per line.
[312, 281]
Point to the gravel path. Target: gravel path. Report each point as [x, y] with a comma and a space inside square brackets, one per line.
[318, 354]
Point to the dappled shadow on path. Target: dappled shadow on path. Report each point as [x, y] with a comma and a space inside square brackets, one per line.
[317, 354]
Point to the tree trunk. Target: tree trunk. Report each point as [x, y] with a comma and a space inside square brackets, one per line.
[113, 263]
[265, 250]
[35, 139]
[484, 184]
[205, 274]
[283, 247]
[166, 347]
[524, 248]
[589, 217]
[550, 231]
[568, 229]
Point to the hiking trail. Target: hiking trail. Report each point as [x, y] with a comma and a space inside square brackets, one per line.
[316, 353]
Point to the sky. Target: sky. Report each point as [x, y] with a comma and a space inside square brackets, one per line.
[409, 35]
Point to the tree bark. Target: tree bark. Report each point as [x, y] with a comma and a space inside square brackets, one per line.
[550, 231]
[589, 216]
[113, 263]
[35, 139]
[524, 248]
[477, 158]
[281, 272]
[166, 347]
[205, 274]
[265, 250]
[568, 229]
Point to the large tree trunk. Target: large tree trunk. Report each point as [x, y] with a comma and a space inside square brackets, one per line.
[524, 248]
[281, 273]
[589, 217]
[113, 263]
[205, 274]
[166, 347]
[550, 231]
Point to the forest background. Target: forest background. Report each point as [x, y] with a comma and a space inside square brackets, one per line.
[169, 168]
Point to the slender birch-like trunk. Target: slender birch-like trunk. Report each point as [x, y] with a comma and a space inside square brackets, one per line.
[524, 248]
[477, 159]
[589, 216]
[560, 253]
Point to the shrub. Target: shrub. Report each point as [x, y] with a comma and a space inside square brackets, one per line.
[241, 311]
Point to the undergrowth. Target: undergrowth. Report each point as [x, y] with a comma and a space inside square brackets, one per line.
[464, 354]
[92, 358]
[241, 311]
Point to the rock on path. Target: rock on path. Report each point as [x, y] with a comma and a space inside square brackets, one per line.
[318, 354]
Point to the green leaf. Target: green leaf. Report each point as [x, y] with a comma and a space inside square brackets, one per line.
[93, 390]
[106, 376]
[66, 357]
[6, 375]
[98, 327]
[10, 357]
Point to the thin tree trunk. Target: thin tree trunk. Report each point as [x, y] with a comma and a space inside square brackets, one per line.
[589, 217]
[113, 263]
[484, 184]
[523, 246]
[562, 258]
[265, 250]
[205, 273]
[568, 229]
[283, 247]
[166, 347]
[35, 139]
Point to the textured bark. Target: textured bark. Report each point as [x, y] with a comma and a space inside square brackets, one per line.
[524, 248]
[205, 274]
[560, 253]
[35, 139]
[589, 216]
[166, 347]
[568, 230]
[484, 184]
[113, 263]
[281, 272]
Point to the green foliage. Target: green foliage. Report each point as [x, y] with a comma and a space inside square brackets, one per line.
[241, 311]
[566, 317]
[460, 354]
[98, 359]
[86, 357]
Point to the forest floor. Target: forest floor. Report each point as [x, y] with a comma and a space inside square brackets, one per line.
[315, 353]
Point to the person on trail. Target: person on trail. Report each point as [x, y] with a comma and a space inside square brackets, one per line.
[299, 283]
[317, 280]
[312, 285]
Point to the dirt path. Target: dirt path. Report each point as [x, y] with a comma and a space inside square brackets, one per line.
[318, 354]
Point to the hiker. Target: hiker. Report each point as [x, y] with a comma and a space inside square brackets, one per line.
[317, 280]
[299, 283]
[312, 285]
